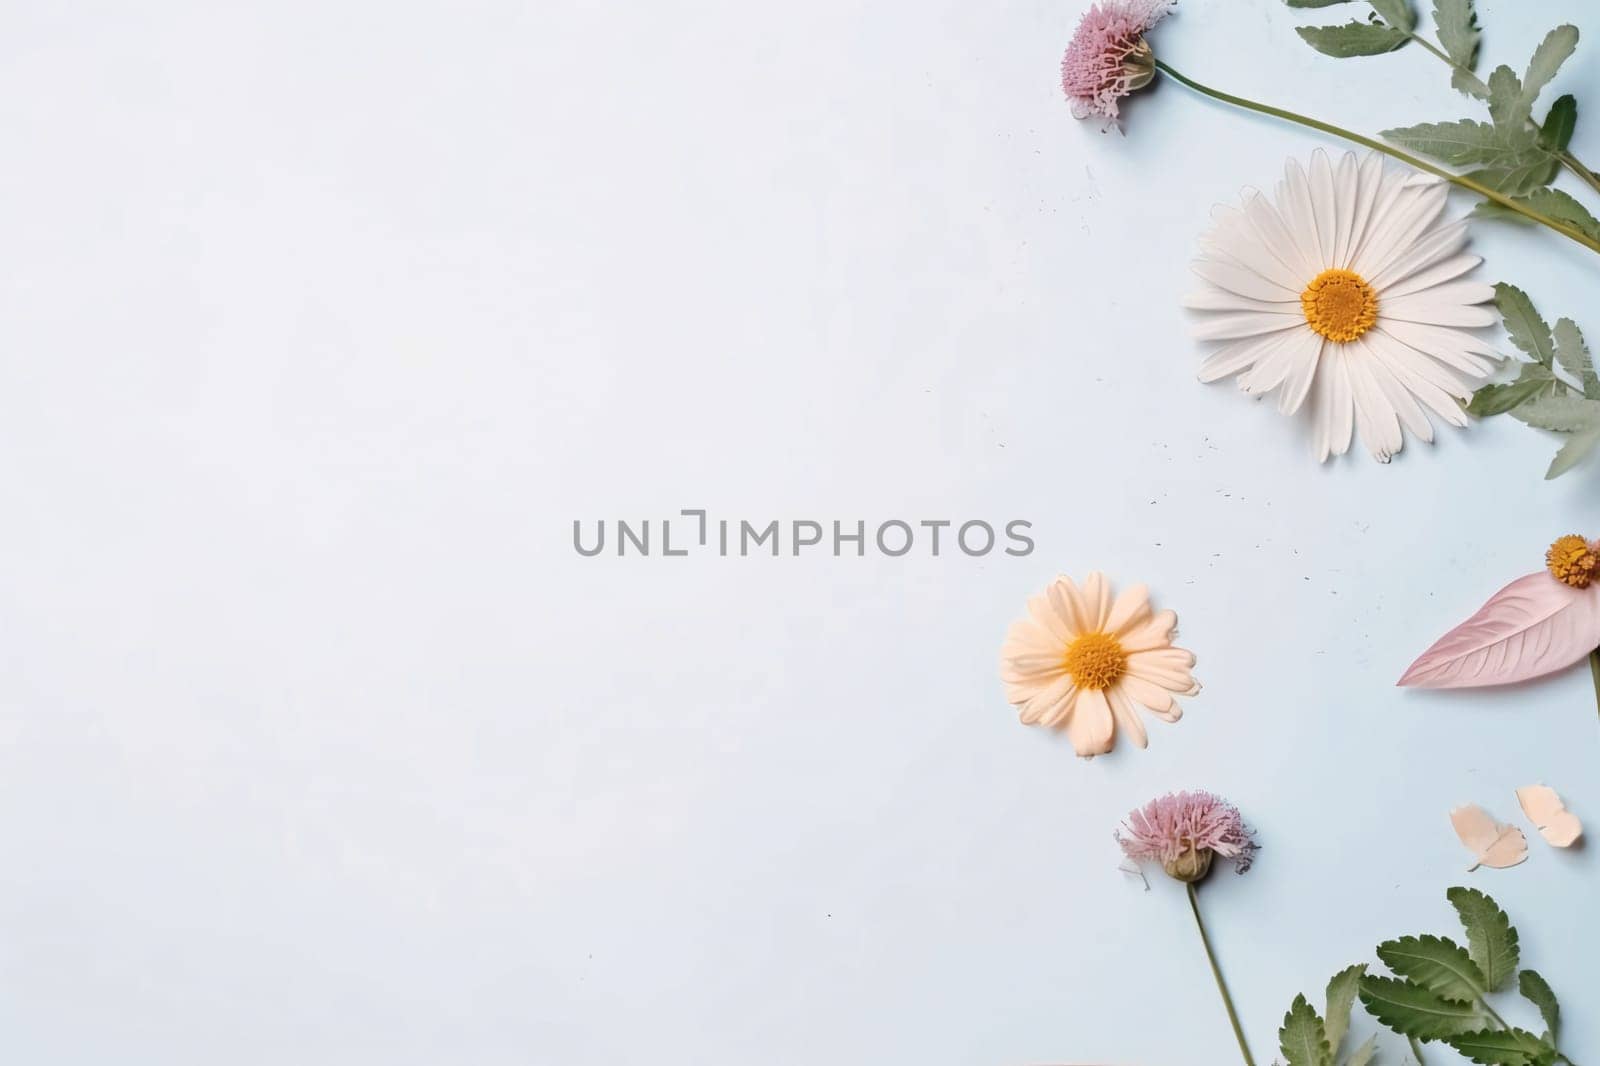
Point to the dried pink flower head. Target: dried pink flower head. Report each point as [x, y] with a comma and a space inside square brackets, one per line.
[1109, 57]
[1184, 830]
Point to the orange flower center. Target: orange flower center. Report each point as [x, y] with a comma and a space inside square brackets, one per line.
[1573, 561]
[1340, 305]
[1096, 661]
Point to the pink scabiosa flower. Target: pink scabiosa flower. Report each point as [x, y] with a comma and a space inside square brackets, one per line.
[1109, 57]
[1184, 830]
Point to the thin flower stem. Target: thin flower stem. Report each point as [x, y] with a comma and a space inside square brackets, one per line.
[1461, 180]
[1594, 671]
[1216, 971]
[1416, 1051]
[1568, 160]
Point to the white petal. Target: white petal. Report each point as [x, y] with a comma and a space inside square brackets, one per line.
[1369, 184]
[1234, 239]
[1430, 383]
[1307, 354]
[1391, 190]
[1239, 279]
[1399, 397]
[1324, 205]
[1243, 324]
[1235, 356]
[1211, 298]
[1334, 406]
[1414, 212]
[1428, 309]
[1267, 222]
[1275, 362]
[1346, 187]
[1431, 248]
[1375, 416]
[1294, 198]
[1435, 274]
[1453, 347]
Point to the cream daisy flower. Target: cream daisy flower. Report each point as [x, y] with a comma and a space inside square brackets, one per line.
[1344, 291]
[1083, 663]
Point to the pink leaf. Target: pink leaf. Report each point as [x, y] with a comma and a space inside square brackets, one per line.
[1531, 627]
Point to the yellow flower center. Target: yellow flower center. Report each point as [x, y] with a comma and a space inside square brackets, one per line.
[1096, 661]
[1573, 561]
[1340, 305]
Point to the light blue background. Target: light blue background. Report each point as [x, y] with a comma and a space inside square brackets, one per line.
[321, 745]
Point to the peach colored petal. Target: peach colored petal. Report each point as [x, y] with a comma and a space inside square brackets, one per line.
[1097, 601]
[1491, 843]
[1543, 806]
[1171, 714]
[1090, 727]
[1071, 604]
[1156, 632]
[1127, 715]
[1042, 704]
[1131, 608]
[1158, 673]
[1023, 668]
[1045, 610]
[1170, 658]
[1151, 695]
[1058, 715]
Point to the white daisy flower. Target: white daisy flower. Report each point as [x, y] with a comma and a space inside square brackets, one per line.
[1345, 290]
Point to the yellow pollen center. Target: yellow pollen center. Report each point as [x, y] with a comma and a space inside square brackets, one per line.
[1340, 305]
[1573, 561]
[1096, 661]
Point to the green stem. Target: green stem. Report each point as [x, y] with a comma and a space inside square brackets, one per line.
[1501, 1022]
[1416, 1051]
[1568, 160]
[1594, 672]
[1216, 972]
[1394, 153]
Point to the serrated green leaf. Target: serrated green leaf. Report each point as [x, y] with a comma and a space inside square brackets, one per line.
[1411, 1010]
[1302, 1038]
[1527, 330]
[1560, 414]
[1498, 399]
[1505, 96]
[1561, 206]
[1536, 990]
[1353, 39]
[1573, 355]
[1458, 31]
[1490, 209]
[1438, 964]
[1556, 48]
[1396, 13]
[1519, 179]
[1574, 451]
[1468, 141]
[1341, 994]
[1362, 1056]
[1491, 940]
[1559, 124]
[1503, 1047]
